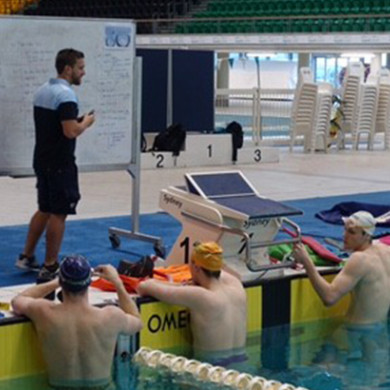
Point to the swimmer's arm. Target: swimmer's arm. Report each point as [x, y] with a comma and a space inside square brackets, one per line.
[347, 279]
[173, 294]
[324, 289]
[330, 293]
[126, 317]
[26, 302]
[126, 303]
[123, 322]
[130, 323]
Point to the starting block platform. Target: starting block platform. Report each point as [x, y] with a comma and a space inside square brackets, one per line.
[224, 207]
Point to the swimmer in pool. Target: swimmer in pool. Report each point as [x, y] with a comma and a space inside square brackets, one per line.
[361, 342]
[217, 303]
[78, 339]
[366, 274]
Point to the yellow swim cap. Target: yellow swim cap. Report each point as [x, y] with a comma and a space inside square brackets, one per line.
[208, 255]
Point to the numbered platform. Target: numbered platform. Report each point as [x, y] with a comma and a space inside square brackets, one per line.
[209, 150]
[224, 207]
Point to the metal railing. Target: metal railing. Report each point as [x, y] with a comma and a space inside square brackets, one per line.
[265, 113]
[240, 105]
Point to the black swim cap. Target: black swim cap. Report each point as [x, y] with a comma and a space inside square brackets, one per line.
[75, 273]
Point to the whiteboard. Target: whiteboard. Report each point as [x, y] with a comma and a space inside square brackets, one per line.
[28, 47]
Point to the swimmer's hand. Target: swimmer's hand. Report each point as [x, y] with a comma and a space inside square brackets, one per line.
[107, 272]
[300, 254]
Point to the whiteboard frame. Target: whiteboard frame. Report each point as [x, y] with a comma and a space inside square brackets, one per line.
[28, 171]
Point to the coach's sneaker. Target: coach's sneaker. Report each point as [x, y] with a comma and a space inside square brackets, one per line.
[48, 272]
[27, 263]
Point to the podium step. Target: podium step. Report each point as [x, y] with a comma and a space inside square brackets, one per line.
[209, 150]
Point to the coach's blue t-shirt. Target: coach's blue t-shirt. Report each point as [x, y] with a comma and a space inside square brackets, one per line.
[54, 102]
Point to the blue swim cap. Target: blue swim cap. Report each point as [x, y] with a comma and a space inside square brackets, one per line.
[75, 273]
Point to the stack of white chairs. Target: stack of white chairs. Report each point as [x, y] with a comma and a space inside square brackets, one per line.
[320, 138]
[350, 97]
[304, 109]
[382, 123]
[367, 109]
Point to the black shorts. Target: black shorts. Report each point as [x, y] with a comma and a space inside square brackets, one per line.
[58, 190]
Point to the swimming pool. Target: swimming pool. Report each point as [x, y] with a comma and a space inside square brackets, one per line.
[317, 355]
[320, 355]
[323, 355]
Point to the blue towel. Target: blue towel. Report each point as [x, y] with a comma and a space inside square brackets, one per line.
[345, 209]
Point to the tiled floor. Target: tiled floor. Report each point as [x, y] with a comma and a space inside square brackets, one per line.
[297, 175]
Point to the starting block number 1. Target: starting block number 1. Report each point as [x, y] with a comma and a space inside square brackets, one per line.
[186, 244]
[210, 149]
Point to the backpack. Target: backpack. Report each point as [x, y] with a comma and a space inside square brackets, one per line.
[140, 269]
[170, 140]
[235, 129]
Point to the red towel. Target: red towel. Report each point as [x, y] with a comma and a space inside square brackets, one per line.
[316, 247]
[385, 240]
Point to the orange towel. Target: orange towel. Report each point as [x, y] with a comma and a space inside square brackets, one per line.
[174, 273]
[129, 282]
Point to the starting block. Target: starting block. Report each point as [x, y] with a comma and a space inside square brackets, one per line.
[224, 207]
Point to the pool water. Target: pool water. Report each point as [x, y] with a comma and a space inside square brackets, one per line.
[323, 356]
[320, 355]
[317, 356]
[162, 379]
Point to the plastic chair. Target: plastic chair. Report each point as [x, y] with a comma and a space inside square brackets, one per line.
[382, 122]
[320, 136]
[304, 109]
[367, 109]
[349, 97]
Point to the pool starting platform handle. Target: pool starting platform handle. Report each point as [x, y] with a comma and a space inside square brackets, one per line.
[296, 236]
[246, 237]
[285, 264]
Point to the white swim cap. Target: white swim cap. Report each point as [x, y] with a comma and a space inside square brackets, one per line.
[362, 219]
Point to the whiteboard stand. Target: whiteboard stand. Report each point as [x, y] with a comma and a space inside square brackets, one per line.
[134, 169]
